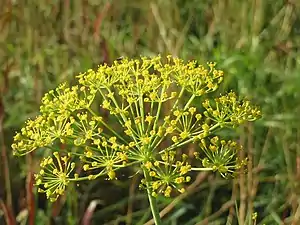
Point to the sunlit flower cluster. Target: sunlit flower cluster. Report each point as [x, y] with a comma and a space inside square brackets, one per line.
[167, 174]
[135, 113]
[228, 110]
[221, 156]
[54, 175]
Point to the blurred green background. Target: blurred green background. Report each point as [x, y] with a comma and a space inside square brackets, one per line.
[256, 43]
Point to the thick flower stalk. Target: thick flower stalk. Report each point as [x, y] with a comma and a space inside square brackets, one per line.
[151, 110]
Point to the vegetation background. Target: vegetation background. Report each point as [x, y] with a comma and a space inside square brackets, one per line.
[256, 43]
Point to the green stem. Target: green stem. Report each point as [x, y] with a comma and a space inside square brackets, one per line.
[107, 126]
[189, 102]
[152, 200]
[201, 169]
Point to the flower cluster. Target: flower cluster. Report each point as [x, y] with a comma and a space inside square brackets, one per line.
[152, 111]
[228, 110]
[41, 132]
[198, 79]
[105, 156]
[167, 174]
[221, 156]
[64, 100]
[54, 175]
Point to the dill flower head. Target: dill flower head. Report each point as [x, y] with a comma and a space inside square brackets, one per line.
[135, 112]
[54, 175]
[167, 174]
[221, 156]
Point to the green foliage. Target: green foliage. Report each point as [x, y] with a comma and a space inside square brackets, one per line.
[44, 43]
